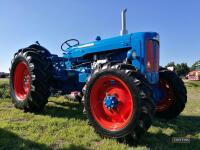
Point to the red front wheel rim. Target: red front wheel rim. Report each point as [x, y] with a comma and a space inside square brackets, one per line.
[119, 117]
[21, 81]
[168, 97]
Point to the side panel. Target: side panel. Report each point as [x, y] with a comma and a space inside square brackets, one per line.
[136, 45]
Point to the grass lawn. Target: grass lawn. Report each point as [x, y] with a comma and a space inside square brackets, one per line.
[63, 126]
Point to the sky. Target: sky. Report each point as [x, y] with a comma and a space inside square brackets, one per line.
[51, 22]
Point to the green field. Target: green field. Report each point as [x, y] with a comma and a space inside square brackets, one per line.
[63, 126]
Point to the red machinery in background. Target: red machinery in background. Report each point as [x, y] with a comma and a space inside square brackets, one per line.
[195, 74]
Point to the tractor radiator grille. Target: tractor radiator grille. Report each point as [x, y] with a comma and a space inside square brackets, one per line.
[152, 56]
[157, 56]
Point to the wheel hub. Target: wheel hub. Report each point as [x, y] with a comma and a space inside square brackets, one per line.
[110, 102]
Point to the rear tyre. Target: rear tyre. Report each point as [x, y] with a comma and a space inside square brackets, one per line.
[30, 78]
[135, 108]
[175, 95]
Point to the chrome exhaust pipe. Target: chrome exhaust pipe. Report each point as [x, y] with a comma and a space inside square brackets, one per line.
[123, 15]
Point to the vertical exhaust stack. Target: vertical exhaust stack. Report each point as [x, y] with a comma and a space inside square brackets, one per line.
[123, 15]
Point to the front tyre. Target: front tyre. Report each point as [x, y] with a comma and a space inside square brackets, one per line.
[29, 80]
[175, 95]
[116, 103]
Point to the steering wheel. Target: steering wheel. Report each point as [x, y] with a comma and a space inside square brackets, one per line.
[75, 41]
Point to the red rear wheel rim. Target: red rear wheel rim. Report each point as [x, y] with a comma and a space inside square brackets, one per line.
[21, 81]
[167, 100]
[118, 117]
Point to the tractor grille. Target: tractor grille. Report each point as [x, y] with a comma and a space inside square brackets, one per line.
[152, 56]
[157, 56]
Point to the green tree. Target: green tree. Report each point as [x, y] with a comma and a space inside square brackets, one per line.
[182, 69]
[194, 65]
[170, 64]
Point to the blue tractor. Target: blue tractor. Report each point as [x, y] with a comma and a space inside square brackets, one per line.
[118, 81]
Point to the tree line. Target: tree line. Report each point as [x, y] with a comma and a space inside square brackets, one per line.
[4, 75]
[182, 69]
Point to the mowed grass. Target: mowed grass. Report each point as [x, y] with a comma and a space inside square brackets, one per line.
[63, 126]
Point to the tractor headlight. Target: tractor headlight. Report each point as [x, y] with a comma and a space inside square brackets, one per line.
[131, 55]
[134, 55]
